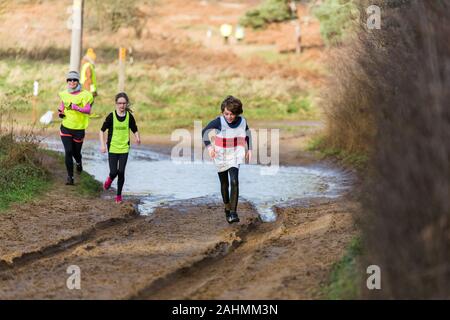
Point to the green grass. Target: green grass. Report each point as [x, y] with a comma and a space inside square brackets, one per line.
[355, 160]
[337, 19]
[345, 275]
[164, 98]
[25, 178]
[85, 184]
[21, 185]
[22, 176]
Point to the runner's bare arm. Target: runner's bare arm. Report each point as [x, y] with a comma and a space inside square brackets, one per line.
[138, 137]
[103, 146]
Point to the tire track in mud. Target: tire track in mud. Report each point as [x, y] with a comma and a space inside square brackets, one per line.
[56, 221]
[66, 244]
[215, 255]
[117, 261]
[185, 283]
[287, 259]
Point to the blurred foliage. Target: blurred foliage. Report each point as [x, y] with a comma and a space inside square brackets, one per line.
[269, 11]
[110, 15]
[337, 18]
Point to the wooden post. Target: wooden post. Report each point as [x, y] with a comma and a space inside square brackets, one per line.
[298, 38]
[122, 62]
[77, 35]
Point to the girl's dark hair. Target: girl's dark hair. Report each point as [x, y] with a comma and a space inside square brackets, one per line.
[124, 95]
[233, 105]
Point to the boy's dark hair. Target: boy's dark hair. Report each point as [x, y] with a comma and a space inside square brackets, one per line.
[234, 105]
[124, 95]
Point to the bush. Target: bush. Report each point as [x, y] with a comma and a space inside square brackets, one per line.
[390, 97]
[110, 15]
[269, 11]
[337, 19]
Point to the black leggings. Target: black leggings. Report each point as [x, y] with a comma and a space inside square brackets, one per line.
[73, 142]
[117, 164]
[224, 185]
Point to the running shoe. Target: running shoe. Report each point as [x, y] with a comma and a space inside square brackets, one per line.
[232, 217]
[118, 199]
[69, 181]
[79, 167]
[107, 183]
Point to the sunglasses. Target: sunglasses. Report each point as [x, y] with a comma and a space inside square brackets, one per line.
[72, 80]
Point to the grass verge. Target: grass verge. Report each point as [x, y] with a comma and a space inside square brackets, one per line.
[22, 174]
[85, 184]
[344, 282]
[352, 159]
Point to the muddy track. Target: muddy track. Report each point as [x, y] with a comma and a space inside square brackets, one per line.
[63, 245]
[119, 260]
[56, 221]
[214, 256]
[188, 251]
[290, 258]
[183, 251]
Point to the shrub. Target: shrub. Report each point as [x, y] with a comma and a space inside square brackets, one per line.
[112, 14]
[337, 19]
[390, 97]
[269, 11]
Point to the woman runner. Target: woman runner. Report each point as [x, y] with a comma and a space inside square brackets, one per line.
[75, 107]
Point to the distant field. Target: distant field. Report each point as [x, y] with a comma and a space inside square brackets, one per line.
[163, 98]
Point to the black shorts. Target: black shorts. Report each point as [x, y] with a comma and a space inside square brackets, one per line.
[76, 135]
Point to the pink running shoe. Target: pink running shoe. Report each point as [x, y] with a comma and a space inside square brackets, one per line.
[118, 199]
[107, 183]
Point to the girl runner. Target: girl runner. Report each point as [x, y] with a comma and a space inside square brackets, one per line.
[74, 109]
[228, 152]
[118, 124]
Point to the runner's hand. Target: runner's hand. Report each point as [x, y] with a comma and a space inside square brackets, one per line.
[211, 152]
[138, 140]
[248, 156]
[103, 149]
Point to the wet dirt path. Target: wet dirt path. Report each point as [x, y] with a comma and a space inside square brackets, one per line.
[190, 252]
[288, 259]
[120, 261]
[185, 250]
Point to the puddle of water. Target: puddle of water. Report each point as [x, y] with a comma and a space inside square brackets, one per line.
[160, 182]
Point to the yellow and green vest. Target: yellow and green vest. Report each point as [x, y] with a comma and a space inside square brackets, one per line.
[121, 135]
[85, 66]
[73, 119]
